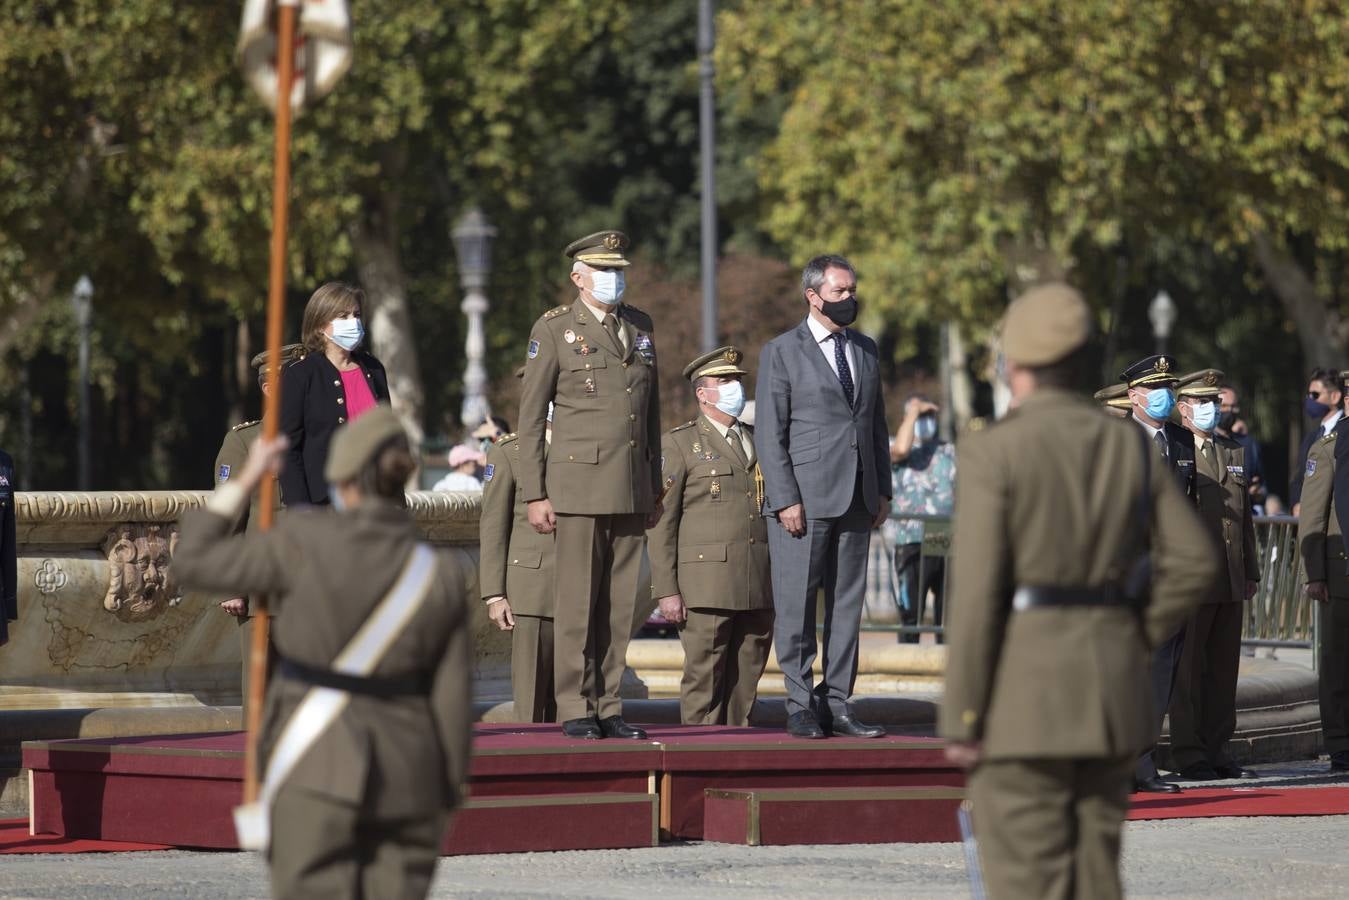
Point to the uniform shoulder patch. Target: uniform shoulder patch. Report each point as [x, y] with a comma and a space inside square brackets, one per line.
[1311, 467]
[222, 475]
[556, 311]
[688, 424]
[249, 424]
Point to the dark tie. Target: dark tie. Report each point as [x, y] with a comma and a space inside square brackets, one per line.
[1159, 438]
[611, 326]
[737, 446]
[841, 361]
[1210, 464]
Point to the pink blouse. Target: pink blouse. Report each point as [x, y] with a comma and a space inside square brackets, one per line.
[360, 398]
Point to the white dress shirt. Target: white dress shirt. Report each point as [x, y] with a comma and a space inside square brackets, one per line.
[824, 338]
[1329, 424]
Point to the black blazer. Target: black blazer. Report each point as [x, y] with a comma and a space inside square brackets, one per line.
[9, 600]
[313, 405]
[1181, 456]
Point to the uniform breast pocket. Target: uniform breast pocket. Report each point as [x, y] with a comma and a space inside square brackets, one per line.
[710, 478]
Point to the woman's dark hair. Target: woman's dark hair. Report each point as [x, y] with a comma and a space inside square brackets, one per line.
[387, 472]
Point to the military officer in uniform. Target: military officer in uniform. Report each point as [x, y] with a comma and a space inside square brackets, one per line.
[1322, 527]
[1151, 389]
[229, 462]
[1047, 695]
[515, 572]
[709, 551]
[1114, 400]
[597, 485]
[1204, 705]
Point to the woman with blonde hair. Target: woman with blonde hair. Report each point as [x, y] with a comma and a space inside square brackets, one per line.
[335, 382]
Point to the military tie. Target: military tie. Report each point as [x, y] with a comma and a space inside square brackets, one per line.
[1159, 438]
[737, 446]
[611, 326]
[1210, 462]
[841, 361]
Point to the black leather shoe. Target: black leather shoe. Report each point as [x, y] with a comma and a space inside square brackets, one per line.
[1339, 762]
[615, 727]
[847, 726]
[1232, 770]
[1155, 785]
[803, 724]
[1200, 771]
[586, 728]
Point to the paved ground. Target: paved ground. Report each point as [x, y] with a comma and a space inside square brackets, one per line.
[1179, 858]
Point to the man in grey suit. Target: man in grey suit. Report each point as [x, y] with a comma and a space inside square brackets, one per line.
[824, 451]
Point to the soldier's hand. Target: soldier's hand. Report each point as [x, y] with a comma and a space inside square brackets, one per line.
[964, 755]
[1318, 591]
[265, 457]
[672, 609]
[236, 606]
[654, 516]
[1251, 588]
[541, 516]
[793, 518]
[499, 611]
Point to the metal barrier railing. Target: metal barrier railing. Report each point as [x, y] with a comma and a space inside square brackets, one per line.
[1279, 615]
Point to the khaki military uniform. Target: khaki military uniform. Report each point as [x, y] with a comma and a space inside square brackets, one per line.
[1058, 695]
[364, 812]
[229, 462]
[516, 562]
[711, 547]
[1321, 539]
[602, 474]
[1204, 707]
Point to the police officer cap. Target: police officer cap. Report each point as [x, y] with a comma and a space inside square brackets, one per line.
[356, 443]
[1045, 325]
[1116, 395]
[602, 250]
[289, 354]
[720, 363]
[1204, 383]
[1150, 371]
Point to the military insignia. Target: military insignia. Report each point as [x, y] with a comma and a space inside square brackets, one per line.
[533, 349]
[4, 479]
[612, 241]
[1163, 365]
[1240, 471]
[644, 346]
[1211, 380]
[715, 489]
[1185, 462]
[1311, 468]
[569, 336]
[488, 472]
[732, 356]
[697, 447]
[221, 476]
[590, 386]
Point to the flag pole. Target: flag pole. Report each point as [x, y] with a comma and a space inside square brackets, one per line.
[276, 316]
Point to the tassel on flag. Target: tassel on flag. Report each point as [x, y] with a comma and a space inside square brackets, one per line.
[322, 49]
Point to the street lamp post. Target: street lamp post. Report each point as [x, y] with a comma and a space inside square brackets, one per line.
[473, 246]
[82, 300]
[1162, 314]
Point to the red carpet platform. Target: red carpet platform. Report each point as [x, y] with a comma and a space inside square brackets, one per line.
[1205, 803]
[530, 788]
[14, 838]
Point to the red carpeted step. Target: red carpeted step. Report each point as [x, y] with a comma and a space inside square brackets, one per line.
[15, 838]
[525, 823]
[777, 817]
[1204, 803]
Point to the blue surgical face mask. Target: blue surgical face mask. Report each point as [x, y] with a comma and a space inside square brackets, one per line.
[925, 429]
[1160, 403]
[731, 398]
[1205, 415]
[607, 286]
[348, 333]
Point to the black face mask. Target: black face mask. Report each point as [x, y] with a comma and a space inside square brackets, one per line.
[842, 312]
[1225, 420]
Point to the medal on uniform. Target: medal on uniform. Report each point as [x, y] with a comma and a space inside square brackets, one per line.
[590, 385]
[569, 336]
[715, 489]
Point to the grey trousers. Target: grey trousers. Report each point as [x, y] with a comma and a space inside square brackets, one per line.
[1162, 673]
[832, 555]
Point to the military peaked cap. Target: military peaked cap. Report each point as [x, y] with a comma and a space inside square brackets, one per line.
[1116, 396]
[1045, 325]
[1150, 371]
[1204, 383]
[289, 354]
[603, 250]
[720, 363]
[355, 444]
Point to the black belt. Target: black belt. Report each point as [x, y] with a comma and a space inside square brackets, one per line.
[371, 685]
[1039, 597]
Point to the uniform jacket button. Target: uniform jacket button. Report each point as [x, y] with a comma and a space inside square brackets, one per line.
[341, 420]
[625, 365]
[632, 418]
[341, 400]
[632, 443]
[337, 382]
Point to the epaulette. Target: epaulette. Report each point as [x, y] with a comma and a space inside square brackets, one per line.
[242, 425]
[689, 424]
[556, 311]
[1328, 438]
[507, 438]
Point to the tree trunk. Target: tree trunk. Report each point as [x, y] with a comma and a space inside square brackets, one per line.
[1320, 327]
[375, 241]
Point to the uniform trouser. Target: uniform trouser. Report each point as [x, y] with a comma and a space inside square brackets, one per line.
[1049, 829]
[246, 626]
[325, 849]
[598, 562]
[1204, 705]
[1162, 674]
[1332, 670]
[532, 669]
[917, 575]
[832, 555]
[725, 653]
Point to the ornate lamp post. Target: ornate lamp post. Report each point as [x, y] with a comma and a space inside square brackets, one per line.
[1162, 314]
[82, 301]
[473, 245]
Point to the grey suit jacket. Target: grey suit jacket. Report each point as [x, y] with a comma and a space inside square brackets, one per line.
[809, 442]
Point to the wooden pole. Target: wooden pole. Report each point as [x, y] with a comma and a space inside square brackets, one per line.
[276, 320]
